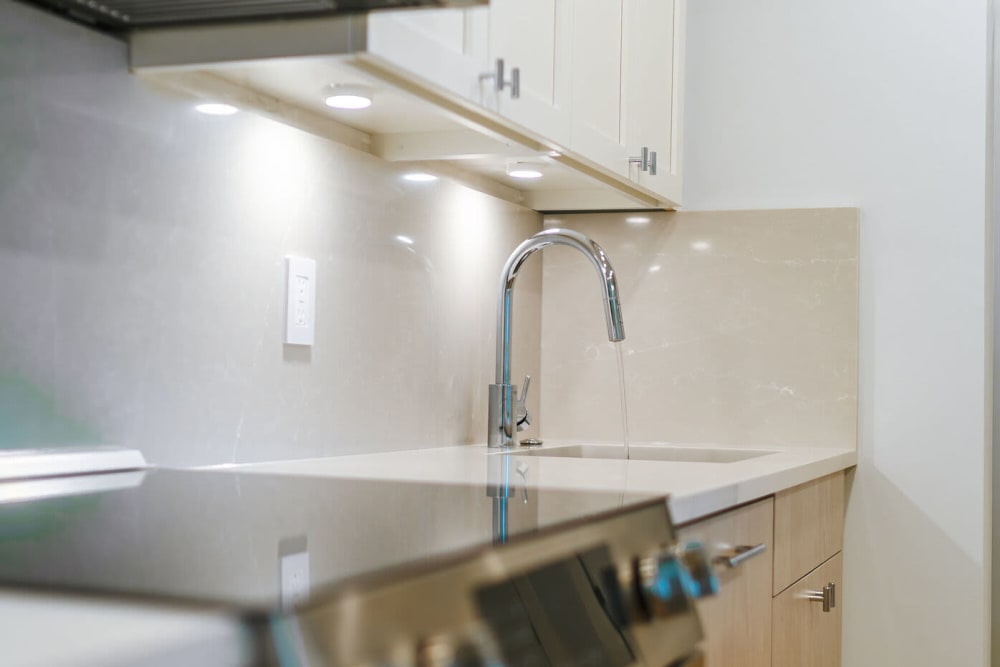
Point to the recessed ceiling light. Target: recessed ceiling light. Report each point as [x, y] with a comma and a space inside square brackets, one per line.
[637, 219]
[349, 96]
[216, 109]
[420, 177]
[654, 268]
[404, 239]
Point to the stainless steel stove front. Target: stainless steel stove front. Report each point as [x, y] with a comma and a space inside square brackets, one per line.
[609, 592]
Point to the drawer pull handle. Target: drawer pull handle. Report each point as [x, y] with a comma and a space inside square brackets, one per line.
[740, 555]
[828, 596]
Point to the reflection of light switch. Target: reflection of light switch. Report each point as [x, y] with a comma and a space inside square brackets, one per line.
[293, 571]
[300, 301]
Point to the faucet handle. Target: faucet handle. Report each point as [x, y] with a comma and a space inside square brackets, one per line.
[523, 416]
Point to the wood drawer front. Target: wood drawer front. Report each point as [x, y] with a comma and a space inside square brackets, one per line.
[805, 635]
[737, 622]
[808, 528]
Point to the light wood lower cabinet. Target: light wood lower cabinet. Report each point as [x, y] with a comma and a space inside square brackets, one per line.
[763, 615]
[737, 622]
[804, 634]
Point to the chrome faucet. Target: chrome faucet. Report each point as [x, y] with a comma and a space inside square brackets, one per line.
[508, 412]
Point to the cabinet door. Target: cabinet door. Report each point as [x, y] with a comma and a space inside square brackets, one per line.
[598, 127]
[737, 622]
[446, 47]
[808, 527]
[804, 634]
[534, 36]
[652, 87]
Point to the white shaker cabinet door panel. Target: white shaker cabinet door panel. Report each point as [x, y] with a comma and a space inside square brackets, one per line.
[533, 36]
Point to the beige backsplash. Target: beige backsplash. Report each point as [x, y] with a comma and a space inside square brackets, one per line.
[741, 329]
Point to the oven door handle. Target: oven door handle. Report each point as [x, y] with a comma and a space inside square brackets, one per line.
[740, 555]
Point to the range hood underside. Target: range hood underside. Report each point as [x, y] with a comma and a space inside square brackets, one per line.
[125, 15]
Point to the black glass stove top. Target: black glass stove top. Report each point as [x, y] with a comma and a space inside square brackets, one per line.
[257, 541]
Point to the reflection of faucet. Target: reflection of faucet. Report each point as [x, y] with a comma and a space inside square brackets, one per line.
[522, 470]
[507, 414]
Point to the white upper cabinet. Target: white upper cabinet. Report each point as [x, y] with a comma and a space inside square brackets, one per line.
[626, 73]
[459, 50]
[447, 47]
[652, 86]
[598, 85]
[532, 38]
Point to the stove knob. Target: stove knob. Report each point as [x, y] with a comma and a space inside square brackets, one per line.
[703, 580]
[664, 585]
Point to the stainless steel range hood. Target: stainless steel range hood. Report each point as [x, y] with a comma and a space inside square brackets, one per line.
[126, 15]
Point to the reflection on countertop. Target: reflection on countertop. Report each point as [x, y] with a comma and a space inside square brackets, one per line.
[257, 542]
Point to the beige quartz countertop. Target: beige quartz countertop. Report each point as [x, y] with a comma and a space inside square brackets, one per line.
[695, 489]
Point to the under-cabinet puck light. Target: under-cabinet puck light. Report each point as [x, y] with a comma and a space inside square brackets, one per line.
[420, 177]
[349, 96]
[216, 109]
[524, 170]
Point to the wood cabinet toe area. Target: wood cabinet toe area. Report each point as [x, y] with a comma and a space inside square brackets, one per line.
[770, 611]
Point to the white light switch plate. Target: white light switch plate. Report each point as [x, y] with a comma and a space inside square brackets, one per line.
[300, 300]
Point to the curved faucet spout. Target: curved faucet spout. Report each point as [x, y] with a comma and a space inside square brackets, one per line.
[503, 431]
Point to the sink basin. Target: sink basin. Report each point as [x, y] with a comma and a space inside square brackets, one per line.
[646, 453]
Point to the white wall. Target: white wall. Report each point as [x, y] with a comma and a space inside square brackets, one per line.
[881, 105]
[141, 274]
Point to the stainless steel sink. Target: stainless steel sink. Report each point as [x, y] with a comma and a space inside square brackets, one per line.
[646, 453]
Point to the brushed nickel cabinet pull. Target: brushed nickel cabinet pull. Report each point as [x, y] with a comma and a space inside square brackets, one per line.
[828, 596]
[642, 160]
[500, 81]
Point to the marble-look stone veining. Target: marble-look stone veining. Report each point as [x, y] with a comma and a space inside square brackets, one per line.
[142, 274]
[741, 329]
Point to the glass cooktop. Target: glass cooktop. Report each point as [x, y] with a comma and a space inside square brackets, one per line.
[256, 541]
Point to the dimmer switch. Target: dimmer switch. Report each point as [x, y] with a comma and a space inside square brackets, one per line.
[300, 301]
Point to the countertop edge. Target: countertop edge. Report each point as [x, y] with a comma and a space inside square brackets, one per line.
[690, 508]
[694, 490]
